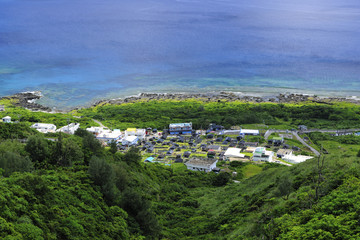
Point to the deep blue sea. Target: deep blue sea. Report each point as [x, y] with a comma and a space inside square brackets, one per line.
[76, 51]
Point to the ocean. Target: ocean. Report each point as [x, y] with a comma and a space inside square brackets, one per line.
[80, 51]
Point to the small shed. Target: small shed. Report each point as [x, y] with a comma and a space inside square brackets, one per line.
[6, 119]
[2, 108]
[149, 159]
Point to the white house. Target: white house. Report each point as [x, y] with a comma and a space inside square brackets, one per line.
[233, 154]
[69, 129]
[96, 130]
[296, 159]
[129, 140]
[201, 164]
[6, 119]
[108, 135]
[2, 108]
[260, 154]
[283, 152]
[140, 133]
[44, 127]
[253, 132]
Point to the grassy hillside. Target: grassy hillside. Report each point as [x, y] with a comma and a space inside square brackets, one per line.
[74, 188]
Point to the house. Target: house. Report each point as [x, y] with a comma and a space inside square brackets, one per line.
[277, 141]
[251, 144]
[2, 108]
[282, 152]
[302, 128]
[250, 149]
[233, 154]
[6, 119]
[130, 140]
[215, 127]
[230, 132]
[296, 159]
[252, 132]
[201, 164]
[69, 129]
[140, 133]
[44, 127]
[215, 148]
[260, 154]
[180, 128]
[109, 136]
[96, 130]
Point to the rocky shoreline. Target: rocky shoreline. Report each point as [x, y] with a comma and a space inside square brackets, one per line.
[28, 99]
[228, 96]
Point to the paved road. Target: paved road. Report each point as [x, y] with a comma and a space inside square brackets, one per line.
[295, 133]
[98, 122]
[305, 144]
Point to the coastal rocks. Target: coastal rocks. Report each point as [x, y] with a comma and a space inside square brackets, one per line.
[27, 100]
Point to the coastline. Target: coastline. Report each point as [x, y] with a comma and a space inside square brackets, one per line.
[29, 100]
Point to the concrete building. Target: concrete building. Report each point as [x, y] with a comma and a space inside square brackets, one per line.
[69, 129]
[260, 154]
[129, 141]
[108, 135]
[201, 164]
[233, 154]
[44, 127]
[140, 133]
[296, 159]
[180, 128]
[282, 152]
[252, 132]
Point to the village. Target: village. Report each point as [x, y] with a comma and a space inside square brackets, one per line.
[199, 150]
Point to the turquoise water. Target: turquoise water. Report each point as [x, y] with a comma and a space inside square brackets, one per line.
[79, 51]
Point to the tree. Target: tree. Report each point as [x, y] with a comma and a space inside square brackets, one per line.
[132, 156]
[38, 149]
[66, 152]
[113, 147]
[103, 175]
[12, 162]
[221, 179]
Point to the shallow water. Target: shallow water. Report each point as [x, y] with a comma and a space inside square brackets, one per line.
[78, 51]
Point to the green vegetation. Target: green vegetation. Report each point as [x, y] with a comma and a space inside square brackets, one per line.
[158, 114]
[71, 187]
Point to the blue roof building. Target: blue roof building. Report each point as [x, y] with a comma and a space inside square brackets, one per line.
[180, 128]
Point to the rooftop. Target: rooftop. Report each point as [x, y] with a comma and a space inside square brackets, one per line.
[201, 162]
[173, 125]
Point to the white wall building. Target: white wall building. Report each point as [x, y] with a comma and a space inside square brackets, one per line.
[253, 132]
[140, 133]
[96, 130]
[44, 127]
[260, 154]
[233, 154]
[69, 129]
[201, 164]
[129, 140]
[108, 135]
[296, 159]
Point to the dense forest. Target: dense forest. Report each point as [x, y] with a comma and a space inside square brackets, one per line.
[71, 187]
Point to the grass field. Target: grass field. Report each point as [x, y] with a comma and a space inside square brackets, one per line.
[251, 170]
